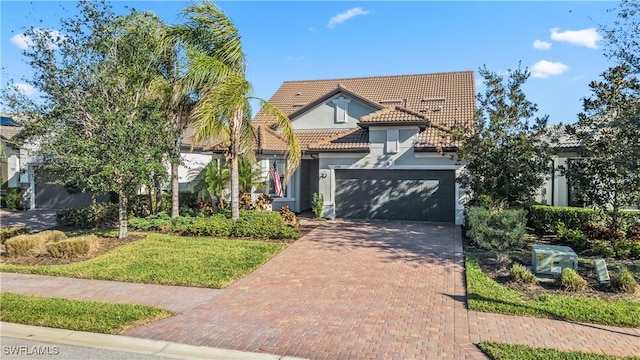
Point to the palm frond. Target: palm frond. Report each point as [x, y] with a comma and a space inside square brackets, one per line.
[294, 154]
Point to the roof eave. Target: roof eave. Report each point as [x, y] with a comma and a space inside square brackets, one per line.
[420, 124]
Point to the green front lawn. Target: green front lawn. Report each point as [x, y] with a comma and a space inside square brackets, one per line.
[168, 260]
[523, 352]
[484, 294]
[91, 316]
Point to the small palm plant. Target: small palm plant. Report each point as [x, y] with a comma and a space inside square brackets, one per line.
[211, 179]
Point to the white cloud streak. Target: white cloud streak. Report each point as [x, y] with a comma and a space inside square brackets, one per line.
[541, 45]
[586, 37]
[21, 41]
[543, 69]
[25, 89]
[349, 14]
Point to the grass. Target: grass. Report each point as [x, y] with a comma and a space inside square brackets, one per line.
[76, 315]
[484, 294]
[168, 260]
[522, 352]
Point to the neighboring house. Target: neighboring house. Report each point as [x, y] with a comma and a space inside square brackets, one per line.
[556, 190]
[374, 147]
[20, 170]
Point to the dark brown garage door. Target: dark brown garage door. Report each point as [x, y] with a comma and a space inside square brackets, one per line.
[422, 195]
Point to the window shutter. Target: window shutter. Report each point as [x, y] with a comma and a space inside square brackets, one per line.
[392, 141]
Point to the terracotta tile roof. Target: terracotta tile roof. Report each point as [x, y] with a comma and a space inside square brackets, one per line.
[352, 139]
[435, 138]
[307, 138]
[269, 140]
[186, 142]
[443, 98]
[394, 114]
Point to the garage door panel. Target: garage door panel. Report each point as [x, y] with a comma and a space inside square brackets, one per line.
[395, 195]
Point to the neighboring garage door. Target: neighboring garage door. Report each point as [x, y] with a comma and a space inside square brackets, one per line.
[423, 195]
[54, 196]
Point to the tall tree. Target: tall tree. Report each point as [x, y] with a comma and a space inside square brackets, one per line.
[623, 36]
[217, 72]
[96, 125]
[608, 171]
[506, 158]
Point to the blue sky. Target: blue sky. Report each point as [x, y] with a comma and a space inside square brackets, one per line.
[558, 41]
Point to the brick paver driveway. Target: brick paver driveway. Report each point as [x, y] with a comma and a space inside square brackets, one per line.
[348, 290]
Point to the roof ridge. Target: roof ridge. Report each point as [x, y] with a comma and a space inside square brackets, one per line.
[411, 112]
[380, 76]
[376, 113]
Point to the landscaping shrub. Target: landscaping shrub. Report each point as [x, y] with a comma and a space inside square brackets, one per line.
[622, 249]
[574, 238]
[569, 280]
[23, 245]
[13, 199]
[89, 217]
[596, 231]
[51, 235]
[7, 233]
[521, 274]
[245, 202]
[289, 217]
[156, 222]
[496, 229]
[633, 233]
[624, 281]
[216, 225]
[634, 253]
[544, 218]
[601, 248]
[317, 204]
[266, 224]
[73, 247]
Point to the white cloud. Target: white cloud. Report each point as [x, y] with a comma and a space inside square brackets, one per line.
[21, 41]
[543, 69]
[586, 37]
[541, 45]
[342, 17]
[26, 89]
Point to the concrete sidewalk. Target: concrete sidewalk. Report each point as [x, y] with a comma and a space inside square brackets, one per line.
[126, 344]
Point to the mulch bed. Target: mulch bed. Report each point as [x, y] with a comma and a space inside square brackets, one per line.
[497, 265]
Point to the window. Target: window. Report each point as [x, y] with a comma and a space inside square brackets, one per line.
[281, 165]
[342, 106]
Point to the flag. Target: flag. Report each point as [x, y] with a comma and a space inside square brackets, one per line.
[277, 184]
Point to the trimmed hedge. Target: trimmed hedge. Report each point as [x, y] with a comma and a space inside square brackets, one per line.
[73, 247]
[252, 224]
[89, 217]
[496, 229]
[7, 233]
[544, 218]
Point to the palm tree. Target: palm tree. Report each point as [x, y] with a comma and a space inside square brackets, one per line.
[249, 176]
[212, 180]
[217, 72]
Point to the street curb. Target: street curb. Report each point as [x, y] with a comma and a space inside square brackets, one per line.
[128, 344]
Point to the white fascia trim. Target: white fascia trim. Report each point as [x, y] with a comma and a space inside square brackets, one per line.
[421, 154]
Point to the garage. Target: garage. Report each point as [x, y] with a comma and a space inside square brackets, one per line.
[417, 195]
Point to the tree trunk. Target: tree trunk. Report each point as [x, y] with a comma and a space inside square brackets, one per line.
[122, 215]
[234, 153]
[158, 187]
[175, 198]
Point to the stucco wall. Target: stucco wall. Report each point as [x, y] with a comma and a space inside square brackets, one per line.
[323, 116]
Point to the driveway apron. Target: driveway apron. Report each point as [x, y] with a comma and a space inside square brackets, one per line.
[351, 290]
